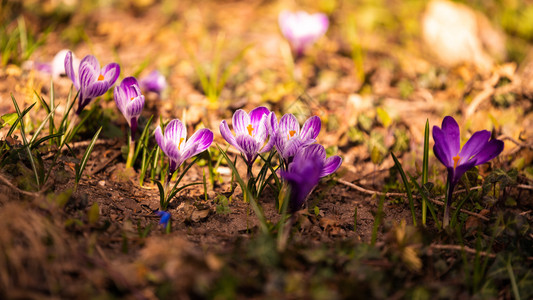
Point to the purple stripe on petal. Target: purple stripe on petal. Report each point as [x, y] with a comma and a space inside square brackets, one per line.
[291, 148]
[331, 165]
[134, 107]
[227, 135]
[272, 124]
[69, 69]
[289, 123]
[249, 147]
[175, 131]
[120, 100]
[315, 151]
[203, 138]
[474, 145]
[111, 73]
[95, 89]
[91, 61]
[311, 128]
[241, 120]
[159, 138]
[257, 115]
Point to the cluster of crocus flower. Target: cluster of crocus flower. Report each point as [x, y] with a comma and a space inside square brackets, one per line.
[302, 29]
[303, 162]
[477, 151]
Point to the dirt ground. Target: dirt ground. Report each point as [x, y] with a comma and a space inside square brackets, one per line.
[104, 240]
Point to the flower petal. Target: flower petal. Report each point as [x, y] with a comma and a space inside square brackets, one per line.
[289, 123]
[202, 138]
[69, 69]
[311, 128]
[249, 146]
[474, 145]
[111, 73]
[312, 152]
[159, 138]
[257, 114]
[135, 107]
[492, 149]
[94, 89]
[227, 135]
[120, 100]
[441, 149]
[241, 120]
[332, 164]
[174, 132]
[452, 136]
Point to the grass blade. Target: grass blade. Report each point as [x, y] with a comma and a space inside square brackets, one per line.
[26, 144]
[428, 203]
[425, 167]
[257, 209]
[85, 157]
[407, 187]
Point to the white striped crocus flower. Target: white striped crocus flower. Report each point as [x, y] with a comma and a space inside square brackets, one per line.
[250, 133]
[288, 137]
[175, 145]
[129, 101]
[92, 81]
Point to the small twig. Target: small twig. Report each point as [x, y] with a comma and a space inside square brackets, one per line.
[524, 186]
[466, 249]
[11, 185]
[104, 164]
[82, 144]
[371, 192]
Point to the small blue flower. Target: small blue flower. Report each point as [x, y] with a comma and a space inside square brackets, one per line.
[165, 217]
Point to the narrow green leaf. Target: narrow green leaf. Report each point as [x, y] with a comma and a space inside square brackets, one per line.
[425, 168]
[86, 156]
[25, 141]
[255, 206]
[407, 187]
[161, 194]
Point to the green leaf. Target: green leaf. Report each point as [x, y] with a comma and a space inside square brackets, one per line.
[9, 119]
[86, 156]
[407, 187]
[93, 214]
[383, 117]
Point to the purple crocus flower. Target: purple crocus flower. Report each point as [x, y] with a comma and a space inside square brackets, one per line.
[175, 145]
[154, 82]
[165, 218]
[129, 101]
[250, 132]
[288, 137]
[302, 29]
[309, 165]
[477, 150]
[91, 81]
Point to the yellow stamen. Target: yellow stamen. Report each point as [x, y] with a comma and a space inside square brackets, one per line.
[132, 98]
[100, 77]
[250, 129]
[456, 160]
[181, 141]
[291, 134]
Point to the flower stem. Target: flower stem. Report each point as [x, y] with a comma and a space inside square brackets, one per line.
[131, 149]
[449, 193]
